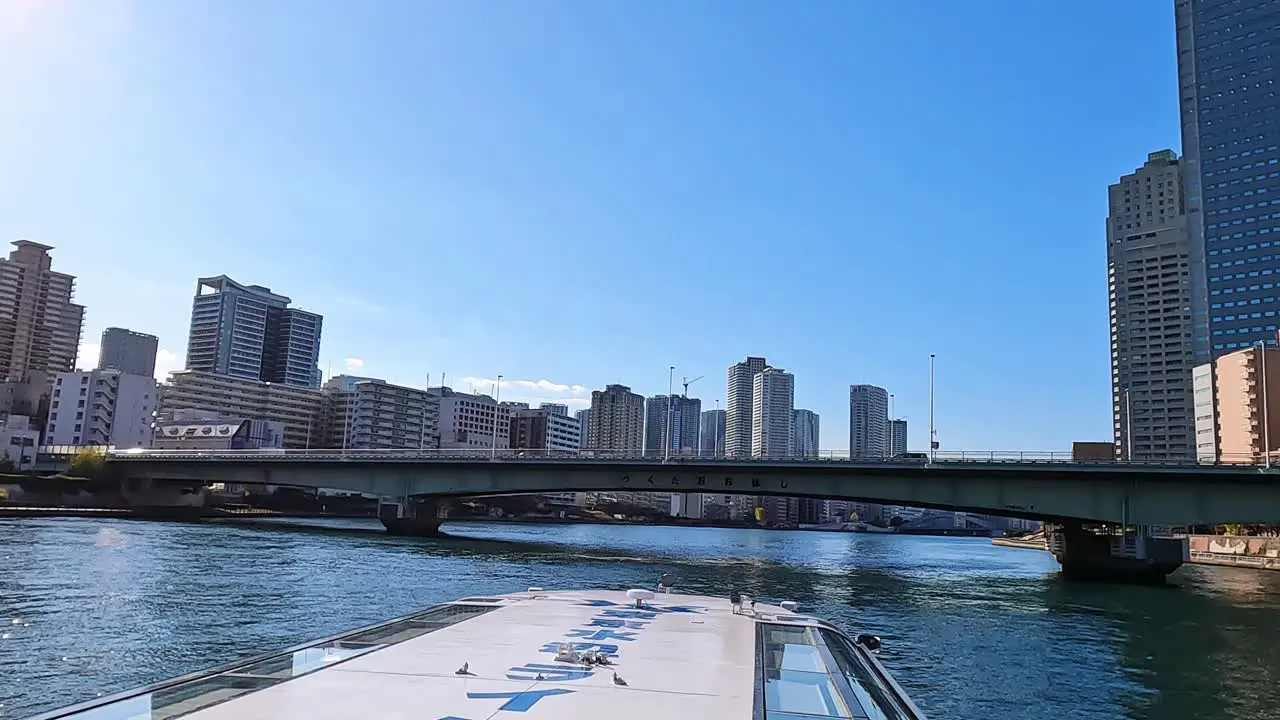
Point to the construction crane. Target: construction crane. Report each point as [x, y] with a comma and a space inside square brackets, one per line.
[687, 382]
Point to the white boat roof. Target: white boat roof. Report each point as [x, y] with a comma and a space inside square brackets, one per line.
[696, 662]
[674, 656]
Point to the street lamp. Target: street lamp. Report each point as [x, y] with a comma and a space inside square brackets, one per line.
[497, 395]
[933, 430]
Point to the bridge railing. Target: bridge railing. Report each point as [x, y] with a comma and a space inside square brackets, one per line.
[597, 454]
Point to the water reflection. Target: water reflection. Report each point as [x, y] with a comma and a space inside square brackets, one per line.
[971, 630]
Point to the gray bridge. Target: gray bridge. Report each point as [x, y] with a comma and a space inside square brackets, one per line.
[1052, 489]
[1127, 498]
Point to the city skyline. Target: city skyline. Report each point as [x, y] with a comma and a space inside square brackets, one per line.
[225, 176]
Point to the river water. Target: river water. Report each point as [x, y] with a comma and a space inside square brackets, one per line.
[91, 606]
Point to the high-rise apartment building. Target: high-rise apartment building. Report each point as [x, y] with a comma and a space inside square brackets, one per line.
[251, 333]
[804, 433]
[584, 424]
[772, 400]
[128, 351]
[897, 437]
[39, 325]
[102, 407]
[367, 413]
[868, 421]
[681, 436]
[1150, 286]
[738, 418]
[1231, 172]
[711, 433]
[616, 419]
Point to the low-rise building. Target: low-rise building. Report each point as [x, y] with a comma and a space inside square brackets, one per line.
[19, 441]
[222, 434]
[298, 409]
[470, 421]
[102, 407]
[544, 430]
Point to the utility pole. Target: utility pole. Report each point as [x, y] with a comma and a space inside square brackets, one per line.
[497, 405]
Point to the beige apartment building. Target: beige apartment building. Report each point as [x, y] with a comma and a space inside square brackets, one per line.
[39, 325]
[298, 409]
[1245, 387]
[616, 421]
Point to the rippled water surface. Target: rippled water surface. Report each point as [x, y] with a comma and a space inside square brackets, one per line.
[92, 606]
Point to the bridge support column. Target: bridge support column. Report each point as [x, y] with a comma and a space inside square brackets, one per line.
[420, 517]
[1132, 554]
[149, 498]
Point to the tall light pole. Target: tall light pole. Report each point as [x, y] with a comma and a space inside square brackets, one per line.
[933, 430]
[666, 433]
[715, 444]
[1266, 418]
[497, 405]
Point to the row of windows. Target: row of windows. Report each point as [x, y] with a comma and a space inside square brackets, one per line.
[1238, 141]
[1234, 345]
[1243, 288]
[1240, 303]
[1241, 261]
[1241, 154]
[1250, 233]
[1242, 221]
[1248, 193]
[1267, 109]
[1240, 317]
[1242, 248]
[1241, 276]
[1244, 90]
[1228, 131]
[1245, 330]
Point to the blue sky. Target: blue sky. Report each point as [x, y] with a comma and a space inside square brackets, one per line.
[587, 192]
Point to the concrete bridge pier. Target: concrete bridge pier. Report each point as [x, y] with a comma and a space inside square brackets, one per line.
[417, 516]
[1131, 554]
[164, 499]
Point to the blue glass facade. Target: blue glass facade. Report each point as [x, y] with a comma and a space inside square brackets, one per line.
[1227, 53]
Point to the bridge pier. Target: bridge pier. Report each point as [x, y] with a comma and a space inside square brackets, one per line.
[1132, 555]
[420, 517]
[163, 499]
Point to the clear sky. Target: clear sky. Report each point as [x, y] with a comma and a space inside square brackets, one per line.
[587, 192]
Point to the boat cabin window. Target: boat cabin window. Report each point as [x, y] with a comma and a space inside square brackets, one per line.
[810, 672]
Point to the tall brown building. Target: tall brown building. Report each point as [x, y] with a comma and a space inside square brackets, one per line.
[39, 325]
[616, 420]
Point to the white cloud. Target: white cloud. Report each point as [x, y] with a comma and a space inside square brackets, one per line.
[166, 362]
[530, 391]
[353, 363]
[87, 355]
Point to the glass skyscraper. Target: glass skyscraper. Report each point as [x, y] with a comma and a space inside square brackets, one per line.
[1227, 51]
[249, 332]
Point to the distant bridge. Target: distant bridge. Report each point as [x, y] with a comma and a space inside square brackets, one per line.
[1042, 486]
